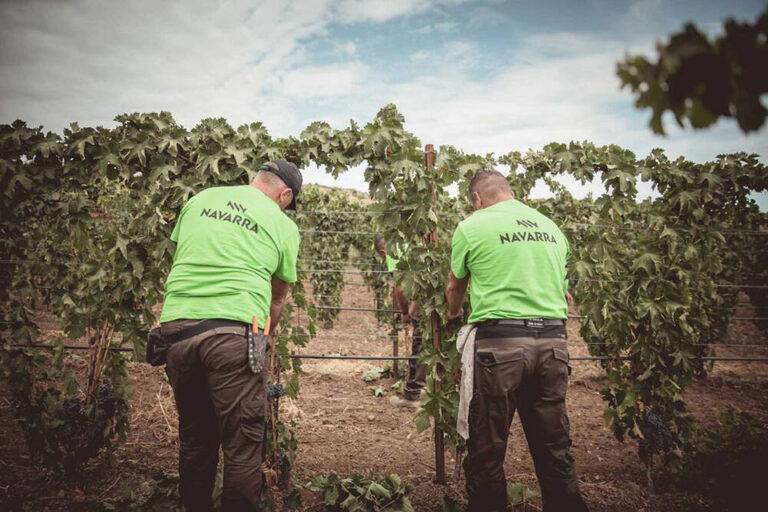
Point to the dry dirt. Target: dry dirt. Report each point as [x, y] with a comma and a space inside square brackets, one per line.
[343, 428]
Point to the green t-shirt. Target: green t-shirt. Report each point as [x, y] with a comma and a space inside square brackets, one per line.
[516, 258]
[231, 242]
[391, 263]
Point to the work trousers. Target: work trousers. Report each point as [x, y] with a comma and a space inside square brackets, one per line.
[220, 403]
[528, 373]
[417, 373]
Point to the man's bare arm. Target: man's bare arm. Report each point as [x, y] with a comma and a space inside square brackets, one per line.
[455, 291]
[401, 301]
[279, 295]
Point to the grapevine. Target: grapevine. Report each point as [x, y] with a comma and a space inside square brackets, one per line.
[87, 235]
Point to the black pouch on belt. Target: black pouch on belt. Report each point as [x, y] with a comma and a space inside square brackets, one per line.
[257, 350]
[157, 347]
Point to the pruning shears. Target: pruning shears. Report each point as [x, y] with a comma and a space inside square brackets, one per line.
[257, 345]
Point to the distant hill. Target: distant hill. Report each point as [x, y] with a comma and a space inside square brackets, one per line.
[352, 194]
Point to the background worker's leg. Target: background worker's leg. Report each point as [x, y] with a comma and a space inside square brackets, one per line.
[417, 373]
[545, 421]
[198, 428]
[498, 373]
[239, 398]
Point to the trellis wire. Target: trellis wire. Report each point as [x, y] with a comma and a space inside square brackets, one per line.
[567, 225]
[394, 358]
[460, 214]
[332, 271]
[393, 311]
[361, 272]
[375, 310]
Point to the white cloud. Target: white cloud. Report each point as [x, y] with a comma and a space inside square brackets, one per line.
[356, 11]
[643, 15]
[442, 27]
[324, 82]
[349, 48]
[87, 61]
[484, 16]
[420, 56]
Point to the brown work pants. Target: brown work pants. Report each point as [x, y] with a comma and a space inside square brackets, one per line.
[220, 403]
[527, 372]
[417, 373]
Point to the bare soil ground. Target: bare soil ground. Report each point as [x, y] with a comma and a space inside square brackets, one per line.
[344, 428]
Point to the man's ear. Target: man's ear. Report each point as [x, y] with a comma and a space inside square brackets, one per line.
[289, 196]
[476, 201]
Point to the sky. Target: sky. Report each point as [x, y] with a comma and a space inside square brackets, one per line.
[484, 75]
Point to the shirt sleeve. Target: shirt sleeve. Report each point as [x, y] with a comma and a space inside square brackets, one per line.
[459, 254]
[567, 257]
[177, 227]
[286, 267]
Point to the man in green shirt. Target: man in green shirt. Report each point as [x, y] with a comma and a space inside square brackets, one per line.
[515, 258]
[417, 373]
[235, 259]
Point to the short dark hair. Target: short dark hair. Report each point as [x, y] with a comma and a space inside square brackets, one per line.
[486, 180]
[378, 241]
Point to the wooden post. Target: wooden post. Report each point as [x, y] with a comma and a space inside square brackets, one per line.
[437, 329]
[395, 336]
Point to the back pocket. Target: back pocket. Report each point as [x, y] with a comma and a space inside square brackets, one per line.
[555, 374]
[499, 371]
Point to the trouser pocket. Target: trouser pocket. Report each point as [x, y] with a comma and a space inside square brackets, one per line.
[253, 409]
[498, 371]
[555, 372]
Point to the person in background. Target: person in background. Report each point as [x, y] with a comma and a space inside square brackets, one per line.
[513, 258]
[235, 259]
[417, 373]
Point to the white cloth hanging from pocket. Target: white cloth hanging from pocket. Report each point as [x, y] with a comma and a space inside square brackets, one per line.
[465, 343]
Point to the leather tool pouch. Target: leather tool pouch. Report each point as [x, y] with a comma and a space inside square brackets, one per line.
[258, 343]
[157, 347]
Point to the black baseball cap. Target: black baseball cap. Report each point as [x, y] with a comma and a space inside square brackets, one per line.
[290, 175]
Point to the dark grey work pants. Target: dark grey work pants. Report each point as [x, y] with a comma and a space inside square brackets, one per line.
[417, 373]
[220, 402]
[528, 375]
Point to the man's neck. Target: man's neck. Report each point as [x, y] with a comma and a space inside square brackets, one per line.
[497, 200]
[267, 191]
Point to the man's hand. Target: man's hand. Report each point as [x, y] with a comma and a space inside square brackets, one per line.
[455, 291]
[569, 298]
[453, 316]
[279, 294]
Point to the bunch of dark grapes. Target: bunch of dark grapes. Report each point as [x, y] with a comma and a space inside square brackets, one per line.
[105, 400]
[71, 437]
[275, 391]
[73, 417]
[657, 436]
[284, 471]
[103, 414]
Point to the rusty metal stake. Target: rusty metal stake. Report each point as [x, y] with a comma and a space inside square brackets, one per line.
[395, 337]
[439, 437]
[429, 162]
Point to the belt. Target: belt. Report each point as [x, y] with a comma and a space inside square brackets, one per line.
[527, 322]
[204, 326]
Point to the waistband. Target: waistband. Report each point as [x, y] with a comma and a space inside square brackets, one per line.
[206, 325]
[527, 322]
